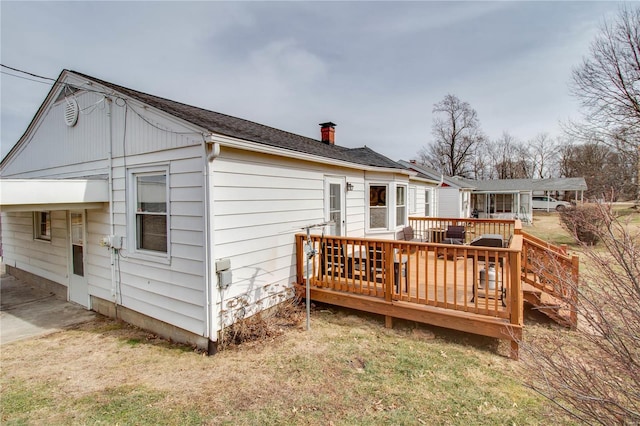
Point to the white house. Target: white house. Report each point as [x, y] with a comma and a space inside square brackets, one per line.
[449, 197]
[175, 218]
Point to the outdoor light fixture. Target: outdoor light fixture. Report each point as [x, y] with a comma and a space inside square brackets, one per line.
[349, 186]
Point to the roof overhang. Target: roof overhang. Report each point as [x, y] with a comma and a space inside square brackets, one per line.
[52, 194]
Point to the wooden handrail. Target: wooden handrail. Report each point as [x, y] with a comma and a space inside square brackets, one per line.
[551, 270]
[432, 274]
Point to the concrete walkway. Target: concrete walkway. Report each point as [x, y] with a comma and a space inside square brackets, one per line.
[27, 312]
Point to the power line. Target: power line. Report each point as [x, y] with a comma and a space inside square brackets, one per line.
[26, 72]
[26, 78]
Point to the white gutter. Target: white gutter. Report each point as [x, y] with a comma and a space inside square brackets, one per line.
[266, 149]
[211, 151]
[112, 255]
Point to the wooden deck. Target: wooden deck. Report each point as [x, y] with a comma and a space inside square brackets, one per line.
[437, 284]
[443, 284]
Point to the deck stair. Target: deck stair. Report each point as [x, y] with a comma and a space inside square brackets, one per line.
[550, 280]
[547, 305]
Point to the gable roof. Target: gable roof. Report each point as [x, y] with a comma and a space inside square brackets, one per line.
[227, 125]
[551, 184]
[432, 174]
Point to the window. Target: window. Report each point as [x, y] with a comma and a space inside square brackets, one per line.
[401, 205]
[42, 226]
[413, 204]
[378, 207]
[151, 211]
[427, 202]
[504, 203]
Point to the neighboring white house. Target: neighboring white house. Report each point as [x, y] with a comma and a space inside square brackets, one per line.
[175, 218]
[449, 197]
[495, 198]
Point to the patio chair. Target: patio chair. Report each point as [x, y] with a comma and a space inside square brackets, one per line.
[455, 233]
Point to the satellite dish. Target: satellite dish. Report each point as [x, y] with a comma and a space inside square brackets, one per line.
[71, 111]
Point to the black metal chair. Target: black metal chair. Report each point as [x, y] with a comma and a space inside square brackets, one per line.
[455, 233]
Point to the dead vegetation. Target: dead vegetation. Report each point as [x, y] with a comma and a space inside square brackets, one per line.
[594, 373]
[264, 326]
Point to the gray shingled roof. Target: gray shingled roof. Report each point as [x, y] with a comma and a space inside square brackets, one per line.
[432, 174]
[247, 130]
[552, 184]
[502, 185]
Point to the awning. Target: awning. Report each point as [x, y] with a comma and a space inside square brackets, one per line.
[52, 194]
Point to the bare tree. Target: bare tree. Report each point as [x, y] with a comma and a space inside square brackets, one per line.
[606, 173]
[607, 84]
[594, 373]
[542, 151]
[456, 132]
[507, 159]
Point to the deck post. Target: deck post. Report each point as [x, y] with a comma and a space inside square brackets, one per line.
[299, 253]
[573, 300]
[517, 307]
[389, 279]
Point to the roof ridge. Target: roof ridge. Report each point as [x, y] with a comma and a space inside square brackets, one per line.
[191, 106]
[252, 131]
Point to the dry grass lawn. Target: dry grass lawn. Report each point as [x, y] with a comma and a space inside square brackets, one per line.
[347, 370]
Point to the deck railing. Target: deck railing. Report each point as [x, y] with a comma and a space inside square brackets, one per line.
[551, 270]
[481, 281]
[434, 230]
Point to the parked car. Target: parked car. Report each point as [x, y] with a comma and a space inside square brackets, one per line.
[543, 202]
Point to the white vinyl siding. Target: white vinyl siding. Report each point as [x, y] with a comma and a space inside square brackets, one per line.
[45, 259]
[260, 203]
[448, 203]
[167, 286]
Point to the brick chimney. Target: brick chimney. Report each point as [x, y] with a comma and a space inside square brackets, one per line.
[328, 132]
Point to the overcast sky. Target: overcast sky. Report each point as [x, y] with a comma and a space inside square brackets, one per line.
[374, 68]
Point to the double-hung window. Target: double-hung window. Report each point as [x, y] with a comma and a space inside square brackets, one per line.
[401, 205]
[378, 207]
[413, 204]
[151, 211]
[427, 202]
[42, 226]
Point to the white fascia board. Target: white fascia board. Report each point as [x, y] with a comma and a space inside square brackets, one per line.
[45, 192]
[266, 149]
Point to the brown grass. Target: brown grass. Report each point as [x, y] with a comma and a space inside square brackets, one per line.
[348, 369]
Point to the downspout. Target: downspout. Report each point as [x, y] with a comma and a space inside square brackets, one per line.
[211, 150]
[112, 231]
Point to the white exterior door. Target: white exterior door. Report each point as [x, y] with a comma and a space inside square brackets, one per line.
[78, 288]
[335, 200]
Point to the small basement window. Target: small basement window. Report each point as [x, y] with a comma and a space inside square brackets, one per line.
[42, 226]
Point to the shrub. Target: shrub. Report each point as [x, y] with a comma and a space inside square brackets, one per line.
[584, 222]
[594, 373]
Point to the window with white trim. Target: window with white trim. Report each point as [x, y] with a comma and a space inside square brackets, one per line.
[427, 202]
[378, 207]
[151, 211]
[413, 203]
[401, 205]
[42, 226]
